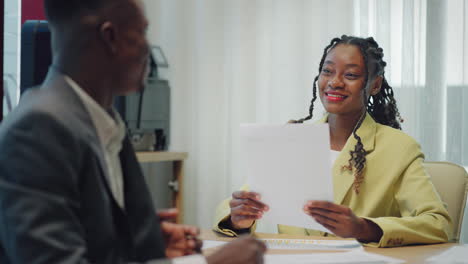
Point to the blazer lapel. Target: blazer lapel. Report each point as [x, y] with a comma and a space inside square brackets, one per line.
[141, 215]
[343, 176]
[78, 118]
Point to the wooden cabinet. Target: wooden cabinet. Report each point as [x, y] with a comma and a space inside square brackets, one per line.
[176, 184]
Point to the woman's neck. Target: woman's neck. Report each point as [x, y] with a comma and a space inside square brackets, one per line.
[341, 127]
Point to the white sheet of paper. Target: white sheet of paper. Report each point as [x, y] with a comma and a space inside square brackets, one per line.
[355, 256]
[288, 165]
[311, 244]
[212, 244]
[297, 244]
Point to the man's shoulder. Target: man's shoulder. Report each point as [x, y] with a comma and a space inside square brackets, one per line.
[50, 106]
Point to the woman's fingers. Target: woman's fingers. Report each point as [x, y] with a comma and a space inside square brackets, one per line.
[332, 216]
[243, 209]
[337, 218]
[250, 198]
[248, 203]
[246, 207]
[329, 206]
[246, 195]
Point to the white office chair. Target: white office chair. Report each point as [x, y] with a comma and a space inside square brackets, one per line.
[451, 181]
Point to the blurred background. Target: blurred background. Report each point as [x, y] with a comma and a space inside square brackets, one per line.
[253, 61]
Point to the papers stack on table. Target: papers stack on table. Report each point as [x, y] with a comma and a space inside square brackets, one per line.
[310, 244]
[353, 257]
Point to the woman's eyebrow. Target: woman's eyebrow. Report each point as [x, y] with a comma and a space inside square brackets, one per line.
[352, 65]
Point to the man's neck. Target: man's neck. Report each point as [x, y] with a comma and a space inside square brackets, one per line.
[97, 86]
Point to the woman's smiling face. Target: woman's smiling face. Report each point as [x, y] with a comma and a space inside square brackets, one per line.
[342, 79]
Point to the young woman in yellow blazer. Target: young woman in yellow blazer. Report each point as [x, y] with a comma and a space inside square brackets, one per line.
[382, 194]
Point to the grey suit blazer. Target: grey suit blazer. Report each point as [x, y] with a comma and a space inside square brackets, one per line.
[55, 202]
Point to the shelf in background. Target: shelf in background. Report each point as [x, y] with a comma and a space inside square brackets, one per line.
[157, 156]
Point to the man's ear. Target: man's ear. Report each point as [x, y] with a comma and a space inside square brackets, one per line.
[108, 34]
[376, 85]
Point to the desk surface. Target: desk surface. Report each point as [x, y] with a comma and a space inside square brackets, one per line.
[411, 254]
[157, 156]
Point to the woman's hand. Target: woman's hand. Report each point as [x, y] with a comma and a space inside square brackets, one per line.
[246, 207]
[342, 221]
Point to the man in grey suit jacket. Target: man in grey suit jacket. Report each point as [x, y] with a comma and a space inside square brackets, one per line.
[71, 189]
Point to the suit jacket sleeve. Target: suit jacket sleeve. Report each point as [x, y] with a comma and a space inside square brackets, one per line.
[424, 218]
[39, 193]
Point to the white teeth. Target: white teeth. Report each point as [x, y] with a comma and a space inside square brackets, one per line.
[336, 95]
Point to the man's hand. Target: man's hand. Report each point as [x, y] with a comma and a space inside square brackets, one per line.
[180, 240]
[342, 221]
[168, 215]
[244, 250]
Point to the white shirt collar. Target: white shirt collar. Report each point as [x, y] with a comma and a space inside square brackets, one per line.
[111, 131]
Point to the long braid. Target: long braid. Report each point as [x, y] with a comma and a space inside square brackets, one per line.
[381, 106]
[332, 44]
[311, 107]
[358, 155]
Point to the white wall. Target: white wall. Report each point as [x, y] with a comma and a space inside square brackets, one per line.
[233, 62]
[11, 51]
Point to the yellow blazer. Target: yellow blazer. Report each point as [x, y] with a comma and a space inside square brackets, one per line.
[397, 193]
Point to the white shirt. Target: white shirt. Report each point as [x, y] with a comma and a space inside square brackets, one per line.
[111, 133]
[333, 156]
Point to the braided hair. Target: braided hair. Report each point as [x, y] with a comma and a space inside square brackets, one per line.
[381, 106]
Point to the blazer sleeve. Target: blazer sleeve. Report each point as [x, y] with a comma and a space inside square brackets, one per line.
[39, 196]
[424, 218]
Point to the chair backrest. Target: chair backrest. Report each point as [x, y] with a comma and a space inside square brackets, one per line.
[451, 181]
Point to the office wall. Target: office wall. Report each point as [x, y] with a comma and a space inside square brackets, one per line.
[16, 12]
[11, 54]
[235, 62]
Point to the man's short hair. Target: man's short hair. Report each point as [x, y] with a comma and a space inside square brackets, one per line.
[62, 11]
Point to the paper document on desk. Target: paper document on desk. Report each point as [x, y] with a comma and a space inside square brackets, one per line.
[298, 244]
[288, 165]
[311, 244]
[455, 255]
[212, 244]
[350, 257]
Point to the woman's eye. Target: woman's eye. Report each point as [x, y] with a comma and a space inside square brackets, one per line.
[352, 75]
[326, 71]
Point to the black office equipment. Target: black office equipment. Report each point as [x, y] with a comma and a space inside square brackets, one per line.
[146, 114]
[36, 54]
